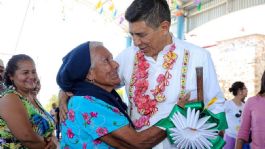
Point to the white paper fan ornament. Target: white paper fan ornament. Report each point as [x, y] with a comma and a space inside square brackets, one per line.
[192, 132]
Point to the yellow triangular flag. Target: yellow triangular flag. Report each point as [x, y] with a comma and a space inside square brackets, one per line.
[99, 4]
[111, 7]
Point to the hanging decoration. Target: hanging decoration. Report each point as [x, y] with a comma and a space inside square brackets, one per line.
[177, 10]
[198, 4]
[108, 9]
[194, 126]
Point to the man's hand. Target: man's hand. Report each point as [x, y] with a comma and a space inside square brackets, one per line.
[63, 99]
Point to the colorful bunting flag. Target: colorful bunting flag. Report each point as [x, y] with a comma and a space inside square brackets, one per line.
[99, 4]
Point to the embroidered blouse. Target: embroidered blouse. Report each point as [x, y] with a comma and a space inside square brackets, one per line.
[89, 119]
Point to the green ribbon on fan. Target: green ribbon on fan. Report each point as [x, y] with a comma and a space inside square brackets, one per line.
[219, 119]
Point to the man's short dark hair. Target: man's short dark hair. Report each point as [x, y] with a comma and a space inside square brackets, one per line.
[153, 12]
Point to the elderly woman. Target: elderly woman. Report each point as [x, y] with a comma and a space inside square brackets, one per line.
[23, 121]
[97, 116]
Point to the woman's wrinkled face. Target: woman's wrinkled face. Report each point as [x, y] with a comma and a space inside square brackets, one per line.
[25, 76]
[104, 69]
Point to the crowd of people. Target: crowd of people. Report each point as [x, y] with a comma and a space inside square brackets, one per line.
[158, 72]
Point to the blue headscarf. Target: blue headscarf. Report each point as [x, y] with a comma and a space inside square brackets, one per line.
[72, 78]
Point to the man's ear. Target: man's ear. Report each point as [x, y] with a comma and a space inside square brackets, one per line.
[165, 26]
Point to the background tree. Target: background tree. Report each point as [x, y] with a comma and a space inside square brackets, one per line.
[53, 99]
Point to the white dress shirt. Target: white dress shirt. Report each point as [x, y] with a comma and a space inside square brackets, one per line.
[198, 57]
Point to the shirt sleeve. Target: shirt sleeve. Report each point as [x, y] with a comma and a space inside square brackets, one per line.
[98, 118]
[244, 129]
[211, 86]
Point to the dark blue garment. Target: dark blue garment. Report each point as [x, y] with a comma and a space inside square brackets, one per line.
[74, 68]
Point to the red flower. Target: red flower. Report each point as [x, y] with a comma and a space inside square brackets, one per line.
[101, 131]
[93, 114]
[88, 122]
[85, 116]
[96, 142]
[71, 115]
[70, 134]
[84, 146]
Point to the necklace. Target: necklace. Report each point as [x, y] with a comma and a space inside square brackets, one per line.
[146, 105]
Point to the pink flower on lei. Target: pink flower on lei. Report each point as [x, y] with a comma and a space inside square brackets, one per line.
[143, 65]
[142, 121]
[141, 86]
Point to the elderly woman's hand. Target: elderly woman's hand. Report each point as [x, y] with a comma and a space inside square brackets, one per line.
[183, 100]
[63, 99]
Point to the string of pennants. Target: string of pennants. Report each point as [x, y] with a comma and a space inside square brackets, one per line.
[109, 10]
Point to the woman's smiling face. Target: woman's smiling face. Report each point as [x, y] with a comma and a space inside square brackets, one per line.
[25, 76]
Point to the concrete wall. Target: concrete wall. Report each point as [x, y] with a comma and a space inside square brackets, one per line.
[240, 59]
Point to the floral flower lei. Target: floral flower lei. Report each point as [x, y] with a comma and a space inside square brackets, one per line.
[145, 105]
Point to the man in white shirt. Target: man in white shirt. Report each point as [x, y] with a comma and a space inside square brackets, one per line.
[159, 69]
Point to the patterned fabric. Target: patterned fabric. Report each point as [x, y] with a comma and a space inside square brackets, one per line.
[2, 88]
[42, 123]
[89, 118]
